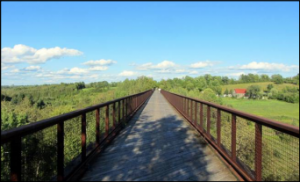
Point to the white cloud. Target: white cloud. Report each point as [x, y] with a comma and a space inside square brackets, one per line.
[266, 66]
[32, 68]
[180, 71]
[98, 68]
[6, 66]
[163, 65]
[146, 66]
[15, 71]
[22, 53]
[203, 64]
[193, 72]
[127, 73]
[101, 62]
[77, 71]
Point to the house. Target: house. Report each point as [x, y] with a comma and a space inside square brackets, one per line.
[239, 93]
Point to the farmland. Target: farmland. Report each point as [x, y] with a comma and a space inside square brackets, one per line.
[272, 109]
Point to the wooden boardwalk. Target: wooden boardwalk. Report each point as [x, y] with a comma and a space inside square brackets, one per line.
[158, 144]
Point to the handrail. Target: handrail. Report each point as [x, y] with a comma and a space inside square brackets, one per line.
[126, 108]
[39, 125]
[283, 127]
[263, 132]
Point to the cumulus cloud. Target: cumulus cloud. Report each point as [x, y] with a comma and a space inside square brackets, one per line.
[203, 64]
[98, 68]
[15, 71]
[160, 66]
[193, 72]
[164, 65]
[101, 62]
[77, 70]
[266, 66]
[127, 73]
[6, 66]
[32, 68]
[22, 53]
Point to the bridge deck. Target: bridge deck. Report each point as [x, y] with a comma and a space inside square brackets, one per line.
[158, 145]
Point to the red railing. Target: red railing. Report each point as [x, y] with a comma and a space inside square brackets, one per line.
[256, 148]
[113, 121]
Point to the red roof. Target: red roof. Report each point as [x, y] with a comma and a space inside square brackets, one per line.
[240, 91]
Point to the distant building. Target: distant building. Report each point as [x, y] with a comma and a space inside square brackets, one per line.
[239, 93]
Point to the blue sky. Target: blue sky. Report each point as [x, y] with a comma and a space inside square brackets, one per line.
[54, 42]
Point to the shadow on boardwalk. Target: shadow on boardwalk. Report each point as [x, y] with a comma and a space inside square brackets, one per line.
[157, 146]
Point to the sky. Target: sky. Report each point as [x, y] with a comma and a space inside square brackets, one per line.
[54, 42]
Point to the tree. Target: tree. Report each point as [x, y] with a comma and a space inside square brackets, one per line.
[278, 79]
[264, 78]
[210, 96]
[40, 104]
[253, 92]
[79, 85]
[269, 87]
[226, 91]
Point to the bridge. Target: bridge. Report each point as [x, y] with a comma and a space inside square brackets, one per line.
[154, 136]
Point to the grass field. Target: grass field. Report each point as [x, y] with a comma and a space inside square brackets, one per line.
[263, 86]
[272, 109]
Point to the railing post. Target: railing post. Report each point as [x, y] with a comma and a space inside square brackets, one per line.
[183, 104]
[119, 115]
[195, 113]
[83, 137]
[106, 121]
[136, 102]
[126, 109]
[191, 106]
[60, 151]
[15, 159]
[233, 138]
[201, 116]
[191, 112]
[114, 115]
[258, 152]
[186, 106]
[123, 103]
[208, 121]
[219, 127]
[98, 126]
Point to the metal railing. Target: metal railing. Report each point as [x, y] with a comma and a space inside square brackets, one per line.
[115, 114]
[257, 148]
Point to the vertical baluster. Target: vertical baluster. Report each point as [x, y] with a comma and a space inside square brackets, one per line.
[208, 121]
[60, 151]
[219, 127]
[233, 138]
[191, 112]
[201, 116]
[107, 121]
[114, 115]
[119, 115]
[123, 102]
[195, 110]
[258, 152]
[98, 126]
[83, 137]
[15, 159]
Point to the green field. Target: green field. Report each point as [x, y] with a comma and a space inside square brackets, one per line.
[272, 109]
[263, 86]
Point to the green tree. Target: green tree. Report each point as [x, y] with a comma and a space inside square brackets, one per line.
[253, 92]
[226, 91]
[278, 79]
[269, 87]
